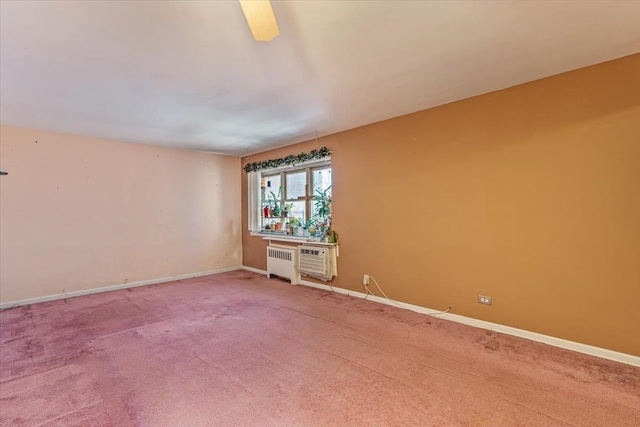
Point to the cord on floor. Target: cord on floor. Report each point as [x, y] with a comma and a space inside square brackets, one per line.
[396, 303]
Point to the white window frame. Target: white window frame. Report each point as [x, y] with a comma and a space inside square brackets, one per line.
[255, 196]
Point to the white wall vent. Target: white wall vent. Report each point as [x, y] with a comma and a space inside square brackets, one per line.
[282, 261]
[318, 262]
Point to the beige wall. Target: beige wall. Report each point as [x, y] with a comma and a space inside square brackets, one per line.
[79, 213]
[530, 195]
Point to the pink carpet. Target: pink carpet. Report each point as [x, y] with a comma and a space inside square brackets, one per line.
[237, 349]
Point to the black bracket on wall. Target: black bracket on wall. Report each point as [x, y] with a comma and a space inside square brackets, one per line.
[3, 173]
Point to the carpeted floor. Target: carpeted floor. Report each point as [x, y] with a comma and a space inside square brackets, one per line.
[237, 349]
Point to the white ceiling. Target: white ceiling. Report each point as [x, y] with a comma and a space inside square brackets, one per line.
[188, 73]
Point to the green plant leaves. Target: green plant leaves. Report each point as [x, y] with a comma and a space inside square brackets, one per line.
[290, 160]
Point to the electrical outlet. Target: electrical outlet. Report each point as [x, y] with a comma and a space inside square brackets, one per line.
[484, 300]
[365, 280]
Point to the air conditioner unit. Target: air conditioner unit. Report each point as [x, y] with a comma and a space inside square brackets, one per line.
[319, 262]
[282, 261]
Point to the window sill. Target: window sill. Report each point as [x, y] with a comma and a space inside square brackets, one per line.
[281, 237]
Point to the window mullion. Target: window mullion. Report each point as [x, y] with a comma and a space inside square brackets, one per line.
[308, 194]
[283, 184]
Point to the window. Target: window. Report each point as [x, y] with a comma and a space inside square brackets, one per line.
[294, 200]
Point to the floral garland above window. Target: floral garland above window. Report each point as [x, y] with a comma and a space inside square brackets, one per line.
[288, 161]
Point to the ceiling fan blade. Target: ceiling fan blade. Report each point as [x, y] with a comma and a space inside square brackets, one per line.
[261, 19]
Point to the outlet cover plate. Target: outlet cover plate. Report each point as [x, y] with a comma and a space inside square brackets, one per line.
[484, 299]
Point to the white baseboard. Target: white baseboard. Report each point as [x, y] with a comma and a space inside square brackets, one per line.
[255, 270]
[533, 336]
[9, 304]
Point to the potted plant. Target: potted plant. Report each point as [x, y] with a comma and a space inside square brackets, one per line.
[296, 224]
[322, 203]
[311, 226]
[286, 208]
[274, 208]
[322, 211]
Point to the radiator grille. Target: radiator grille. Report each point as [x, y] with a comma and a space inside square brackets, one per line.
[280, 254]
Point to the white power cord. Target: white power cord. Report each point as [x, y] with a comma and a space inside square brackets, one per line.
[366, 286]
[382, 292]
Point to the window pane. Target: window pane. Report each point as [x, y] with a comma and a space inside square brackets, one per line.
[321, 207]
[297, 210]
[321, 180]
[272, 185]
[295, 184]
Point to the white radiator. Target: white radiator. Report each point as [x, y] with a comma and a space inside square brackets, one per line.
[282, 261]
[318, 262]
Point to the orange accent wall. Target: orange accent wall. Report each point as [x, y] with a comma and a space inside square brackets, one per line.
[530, 195]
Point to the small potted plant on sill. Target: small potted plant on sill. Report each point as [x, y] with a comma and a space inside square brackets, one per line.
[296, 225]
[311, 226]
[286, 209]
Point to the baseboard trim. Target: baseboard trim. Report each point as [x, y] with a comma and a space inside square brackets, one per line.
[533, 336]
[110, 288]
[255, 270]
